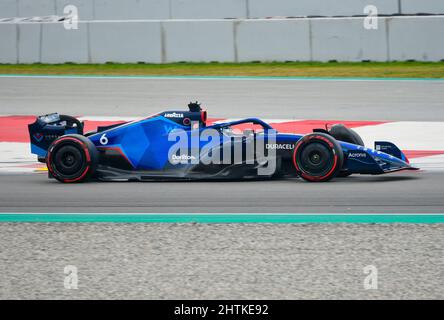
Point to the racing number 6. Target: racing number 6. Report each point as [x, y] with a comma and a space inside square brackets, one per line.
[103, 139]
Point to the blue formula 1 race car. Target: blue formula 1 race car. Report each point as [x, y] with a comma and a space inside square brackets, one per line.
[179, 145]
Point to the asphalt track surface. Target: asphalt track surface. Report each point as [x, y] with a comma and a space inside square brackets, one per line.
[418, 192]
[234, 260]
[359, 100]
[270, 99]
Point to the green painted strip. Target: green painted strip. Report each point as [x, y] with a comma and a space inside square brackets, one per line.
[171, 77]
[221, 218]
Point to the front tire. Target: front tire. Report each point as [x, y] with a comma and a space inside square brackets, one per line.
[317, 157]
[72, 158]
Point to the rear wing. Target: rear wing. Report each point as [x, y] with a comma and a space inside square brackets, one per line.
[49, 127]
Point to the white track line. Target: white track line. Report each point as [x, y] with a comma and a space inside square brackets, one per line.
[407, 135]
[14, 156]
[431, 163]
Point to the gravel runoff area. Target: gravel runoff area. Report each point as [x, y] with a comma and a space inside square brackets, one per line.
[221, 261]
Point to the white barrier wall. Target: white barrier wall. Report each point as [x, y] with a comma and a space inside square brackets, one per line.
[288, 8]
[347, 40]
[85, 8]
[314, 39]
[208, 9]
[130, 9]
[212, 9]
[59, 45]
[211, 40]
[130, 41]
[29, 43]
[8, 8]
[422, 6]
[8, 43]
[422, 40]
[277, 40]
[30, 8]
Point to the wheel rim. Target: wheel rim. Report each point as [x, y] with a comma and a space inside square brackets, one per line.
[316, 159]
[69, 161]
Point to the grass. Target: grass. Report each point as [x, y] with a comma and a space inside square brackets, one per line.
[411, 69]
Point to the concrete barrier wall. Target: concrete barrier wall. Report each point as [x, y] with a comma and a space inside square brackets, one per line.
[130, 41]
[130, 9]
[198, 41]
[208, 9]
[348, 40]
[286, 8]
[85, 8]
[422, 40]
[30, 8]
[8, 8]
[422, 6]
[59, 45]
[8, 43]
[306, 39]
[29, 43]
[275, 40]
[212, 9]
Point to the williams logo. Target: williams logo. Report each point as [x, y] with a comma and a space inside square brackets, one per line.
[38, 136]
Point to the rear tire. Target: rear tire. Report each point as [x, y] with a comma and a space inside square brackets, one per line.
[317, 157]
[72, 158]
